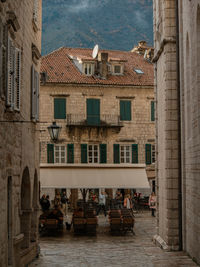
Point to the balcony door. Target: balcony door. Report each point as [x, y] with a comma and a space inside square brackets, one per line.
[93, 111]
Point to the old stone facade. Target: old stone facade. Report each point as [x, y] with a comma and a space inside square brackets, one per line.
[106, 129]
[20, 43]
[177, 42]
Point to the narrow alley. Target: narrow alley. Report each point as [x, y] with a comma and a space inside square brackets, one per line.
[106, 250]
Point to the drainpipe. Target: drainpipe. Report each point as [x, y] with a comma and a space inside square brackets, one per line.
[179, 130]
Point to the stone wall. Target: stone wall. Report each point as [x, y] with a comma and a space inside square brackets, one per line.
[140, 130]
[178, 162]
[19, 148]
[189, 17]
[167, 121]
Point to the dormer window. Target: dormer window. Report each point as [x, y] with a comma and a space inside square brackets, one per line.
[117, 69]
[88, 69]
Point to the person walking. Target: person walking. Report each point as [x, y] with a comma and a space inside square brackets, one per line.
[102, 203]
[152, 203]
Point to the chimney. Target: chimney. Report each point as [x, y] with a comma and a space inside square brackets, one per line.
[103, 58]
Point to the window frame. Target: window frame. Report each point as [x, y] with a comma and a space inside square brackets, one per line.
[88, 66]
[92, 156]
[125, 146]
[121, 69]
[60, 157]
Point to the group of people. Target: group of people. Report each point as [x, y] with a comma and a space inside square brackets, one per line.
[60, 202]
[128, 201]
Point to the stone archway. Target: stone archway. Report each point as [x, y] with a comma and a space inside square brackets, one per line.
[35, 207]
[25, 208]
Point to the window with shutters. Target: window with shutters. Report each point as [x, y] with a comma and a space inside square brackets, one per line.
[70, 153]
[93, 153]
[152, 111]
[60, 154]
[1, 57]
[4, 60]
[93, 111]
[59, 108]
[35, 83]
[125, 110]
[150, 153]
[125, 153]
[13, 76]
[153, 153]
[84, 157]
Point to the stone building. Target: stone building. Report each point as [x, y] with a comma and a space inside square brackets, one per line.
[105, 106]
[177, 61]
[20, 44]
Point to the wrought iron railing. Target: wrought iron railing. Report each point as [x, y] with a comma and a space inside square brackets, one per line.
[107, 120]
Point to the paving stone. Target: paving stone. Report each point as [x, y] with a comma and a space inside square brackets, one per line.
[106, 250]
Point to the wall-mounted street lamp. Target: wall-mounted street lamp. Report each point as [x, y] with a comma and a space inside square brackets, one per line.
[54, 131]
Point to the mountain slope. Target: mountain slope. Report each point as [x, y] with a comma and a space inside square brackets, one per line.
[113, 24]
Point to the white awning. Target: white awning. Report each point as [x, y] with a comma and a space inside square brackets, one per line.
[98, 176]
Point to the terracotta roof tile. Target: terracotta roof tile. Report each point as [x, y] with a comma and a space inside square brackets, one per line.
[61, 69]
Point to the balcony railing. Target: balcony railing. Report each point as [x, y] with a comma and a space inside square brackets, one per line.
[104, 120]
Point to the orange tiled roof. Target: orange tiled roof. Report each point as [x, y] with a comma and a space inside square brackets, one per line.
[61, 69]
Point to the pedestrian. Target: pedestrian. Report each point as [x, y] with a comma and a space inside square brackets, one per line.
[152, 203]
[57, 200]
[45, 203]
[102, 203]
[128, 202]
[64, 201]
[42, 201]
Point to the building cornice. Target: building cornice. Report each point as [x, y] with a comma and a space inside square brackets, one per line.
[164, 42]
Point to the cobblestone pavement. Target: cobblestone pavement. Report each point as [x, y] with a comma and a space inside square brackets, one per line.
[107, 250]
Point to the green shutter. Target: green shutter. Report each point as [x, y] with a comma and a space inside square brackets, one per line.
[103, 153]
[125, 110]
[83, 153]
[134, 153]
[59, 108]
[116, 153]
[93, 111]
[148, 153]
[70, 153]
[50, 153]
[152, 111]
